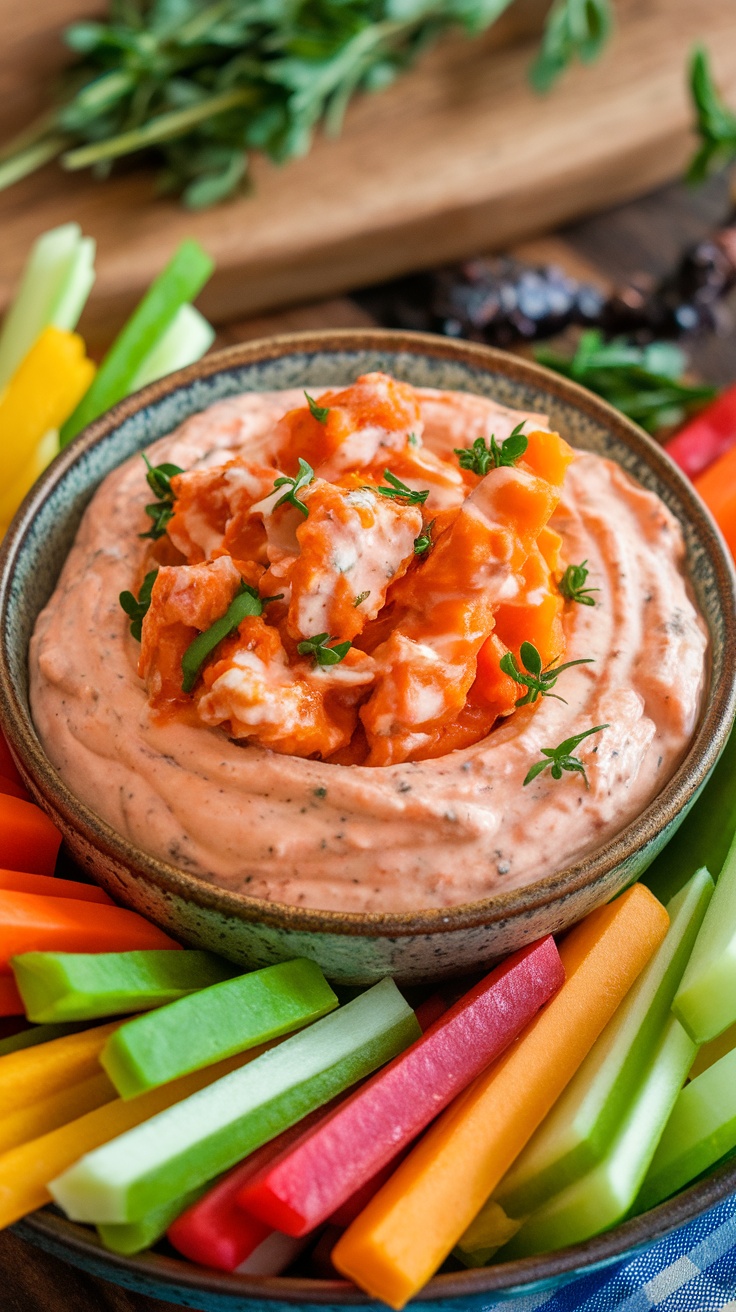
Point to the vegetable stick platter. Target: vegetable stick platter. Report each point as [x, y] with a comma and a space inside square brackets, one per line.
[458, 155]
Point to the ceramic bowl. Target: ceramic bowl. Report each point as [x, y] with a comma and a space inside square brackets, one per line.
[352, 947]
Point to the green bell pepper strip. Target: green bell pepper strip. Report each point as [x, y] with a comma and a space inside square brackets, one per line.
[701, 1130]
[69, 986]
[577, 1132]
[603, 1197]
[705, 1002]
[138, 1235]
[194, 1140]
[181, 280]
[215, 1023]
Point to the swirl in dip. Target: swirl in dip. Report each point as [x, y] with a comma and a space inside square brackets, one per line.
[357, 744]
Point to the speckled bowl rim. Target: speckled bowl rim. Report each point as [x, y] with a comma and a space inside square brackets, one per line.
[710, 738]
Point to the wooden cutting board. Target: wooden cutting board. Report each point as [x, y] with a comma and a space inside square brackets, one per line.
[456, 157]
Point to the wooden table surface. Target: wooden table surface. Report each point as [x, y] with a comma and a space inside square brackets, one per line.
[647, 234]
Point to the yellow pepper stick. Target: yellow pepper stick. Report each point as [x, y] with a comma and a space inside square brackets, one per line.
[58, 1109]
[26, 1171]
[408, 1229]
[44, 390]
[31, 1074]
[11, 497]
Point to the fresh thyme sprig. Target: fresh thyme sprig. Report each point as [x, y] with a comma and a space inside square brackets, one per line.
[398, 491]
[560, 758]
[574, 29]
[481, 457]
[538, 680]
[136, 608]
[572, 585]
[423, 543]
[245, 602]
[318, 412]
[161, 511]
[715, 122]
[322, 654]
[361, 597]
[303, 479]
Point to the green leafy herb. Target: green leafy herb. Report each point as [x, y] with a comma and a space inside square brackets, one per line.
[538, 680]
[574, 29]
[481, 457]
[424, 541]
[245, 602]
[644, 382]
[136, 608]
[361, 597]
[318, 412]
[303, 479]
[715, 122]
[560, 758]
[398, 491]
[413, 440]
[322, 654]
[161, 511]
[572, 585]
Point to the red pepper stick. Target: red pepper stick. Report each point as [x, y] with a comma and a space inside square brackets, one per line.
[308, 1182]
[11, 1003]
[708, 436]
[8, 768]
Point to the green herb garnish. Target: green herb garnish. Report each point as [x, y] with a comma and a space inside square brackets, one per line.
[644, 382]
[245, 602]
[398, 491]
[572, 585]
[573, 29]
[481, 457]
[318, 412]
[361, 597]
[161, 511]
[715, 122]
[303, 479]
[412, 440]
[538, 680]
[136, 608]
[424, 541]
[320, 653]
[559, 758]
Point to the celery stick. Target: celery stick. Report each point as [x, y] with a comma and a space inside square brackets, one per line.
[36, 1034]
[137, 1235]
[187, 339]
[576, 1133]
[712, 1052]
[603, 1197]
[59, 986]
[47, 273]
[705, 1002]
[73, 295]
[701, 1129]
[181, 280]
[215, 1023]
[196, 1139]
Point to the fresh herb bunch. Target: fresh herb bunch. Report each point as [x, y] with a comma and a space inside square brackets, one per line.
[715, 124]
[480, 457]
[645, 382]
[198, 85]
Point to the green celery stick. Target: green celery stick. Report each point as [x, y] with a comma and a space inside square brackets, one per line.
[603, 1197]
[705, 1002]
[188, 338]
[196, 1139]
[701, 1130]
[215, 1023]
[61, 986]
[80, 281]
[137, 1235]
[712, 1052]
[577, 1132]
[36, 1034]
[45, 295]
[181, 280]
[705, 834]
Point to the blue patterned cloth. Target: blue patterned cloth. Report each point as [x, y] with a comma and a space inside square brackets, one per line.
[691, 1270]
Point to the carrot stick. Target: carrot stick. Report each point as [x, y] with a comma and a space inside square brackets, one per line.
[409, 1228]
[717, 487]
[17, 881]
[28, 839]
[11, 1003]
[29, 923]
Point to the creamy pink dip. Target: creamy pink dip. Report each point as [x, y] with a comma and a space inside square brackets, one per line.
[433, 833]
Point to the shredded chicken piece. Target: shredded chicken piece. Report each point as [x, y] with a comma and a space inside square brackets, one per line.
[185, 600]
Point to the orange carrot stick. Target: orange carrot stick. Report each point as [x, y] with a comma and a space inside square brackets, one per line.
[11, 1003]
[411, 1225]
[28, 839]
[29, 923]
[17, 881]
[717, 487]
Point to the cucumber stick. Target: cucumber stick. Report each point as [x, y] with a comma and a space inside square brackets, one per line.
[602, 1198]
[194, 1140]
[187, 339]
[56, 282]
[705, 1002]
[577, 1132]
[136, 1236]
